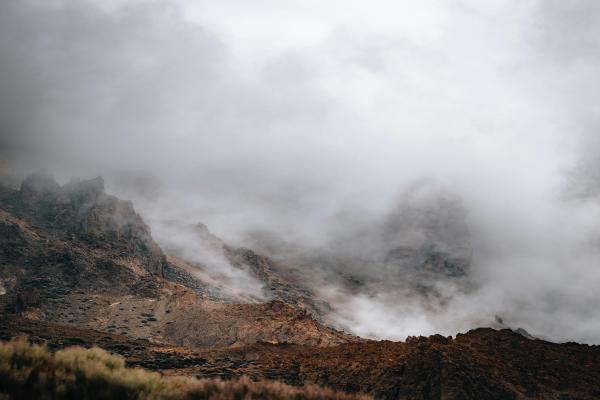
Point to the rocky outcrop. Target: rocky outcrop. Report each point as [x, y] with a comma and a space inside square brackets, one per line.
[81, 210]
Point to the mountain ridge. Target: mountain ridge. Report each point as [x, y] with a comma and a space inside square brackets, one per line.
[74, 255]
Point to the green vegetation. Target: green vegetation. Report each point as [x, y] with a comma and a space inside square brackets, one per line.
[32, 372]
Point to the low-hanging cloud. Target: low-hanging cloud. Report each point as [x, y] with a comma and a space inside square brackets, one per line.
[228, 115]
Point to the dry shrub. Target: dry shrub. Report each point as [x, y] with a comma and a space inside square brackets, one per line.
[31, 372]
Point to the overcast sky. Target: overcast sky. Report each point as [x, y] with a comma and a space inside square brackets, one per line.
[280, 112]
[317, 103]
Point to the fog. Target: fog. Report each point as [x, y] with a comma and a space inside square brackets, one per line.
[312, 121]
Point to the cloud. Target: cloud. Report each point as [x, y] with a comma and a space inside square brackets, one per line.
[277, 115]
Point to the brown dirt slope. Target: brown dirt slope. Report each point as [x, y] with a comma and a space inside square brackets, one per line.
[481, 364]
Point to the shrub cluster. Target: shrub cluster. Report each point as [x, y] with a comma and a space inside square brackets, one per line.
[29, 371]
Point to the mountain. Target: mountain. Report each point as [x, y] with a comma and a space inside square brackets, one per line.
[74, 255]
[417, 253]
[80, 267]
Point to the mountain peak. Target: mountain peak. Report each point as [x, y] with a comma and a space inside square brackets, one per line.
[38, 186]
[81, 210]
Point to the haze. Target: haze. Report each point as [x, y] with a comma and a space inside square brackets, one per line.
[305, 119]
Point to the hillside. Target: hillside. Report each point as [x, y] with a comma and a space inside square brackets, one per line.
[74, 255]
[481, 364]
[80, 267]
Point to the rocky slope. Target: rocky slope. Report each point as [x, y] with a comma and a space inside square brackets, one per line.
[74, 255]
[78, 266]
[481, 364]
[277, 281]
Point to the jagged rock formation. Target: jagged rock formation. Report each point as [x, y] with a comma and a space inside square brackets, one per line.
[82, 211]
[74, 255]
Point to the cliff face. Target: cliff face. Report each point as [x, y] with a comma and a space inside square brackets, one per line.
[81, 211]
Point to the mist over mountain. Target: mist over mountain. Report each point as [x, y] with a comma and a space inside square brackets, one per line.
[422, 168]
[79, 267]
